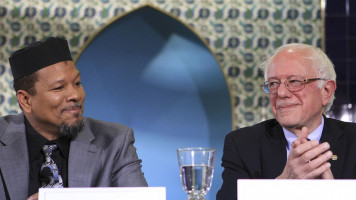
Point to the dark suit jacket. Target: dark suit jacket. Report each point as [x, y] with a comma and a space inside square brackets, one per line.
[103, 155]
[259, 152]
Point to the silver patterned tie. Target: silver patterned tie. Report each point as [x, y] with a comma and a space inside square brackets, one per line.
[49, 167]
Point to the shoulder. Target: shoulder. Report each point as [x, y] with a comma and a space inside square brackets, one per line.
[96, 125]
[340, 124]
[245, 143]
[255, 131]
[4, 122]
[107, 132]
[8, 119]
[347, 128]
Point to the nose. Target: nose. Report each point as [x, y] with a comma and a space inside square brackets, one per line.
[283, 91]
[75, 93]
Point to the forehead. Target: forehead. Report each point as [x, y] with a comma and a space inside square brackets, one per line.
[59, 71]
[291, 62]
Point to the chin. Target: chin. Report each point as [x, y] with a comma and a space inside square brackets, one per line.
[287, 123]
[289, 126]
[71, 131]
[73, 121]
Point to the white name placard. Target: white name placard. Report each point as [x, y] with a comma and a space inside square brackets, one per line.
[117, 193]
[252, 189]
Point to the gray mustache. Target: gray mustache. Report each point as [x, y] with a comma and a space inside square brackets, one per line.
[74, 106]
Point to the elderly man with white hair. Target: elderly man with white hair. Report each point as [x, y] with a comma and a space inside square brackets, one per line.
[300, 143]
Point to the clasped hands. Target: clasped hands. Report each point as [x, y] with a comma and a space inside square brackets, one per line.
[308, 159]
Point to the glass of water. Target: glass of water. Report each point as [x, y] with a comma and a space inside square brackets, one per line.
[196, 166]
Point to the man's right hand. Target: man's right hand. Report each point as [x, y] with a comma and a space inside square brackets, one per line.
[33, 197]
[308, 159]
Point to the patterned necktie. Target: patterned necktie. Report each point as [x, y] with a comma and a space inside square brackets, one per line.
[49, 170]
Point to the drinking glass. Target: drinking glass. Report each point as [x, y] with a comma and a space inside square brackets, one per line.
[196, 166]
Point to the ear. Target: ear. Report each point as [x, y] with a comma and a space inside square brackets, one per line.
[24, 99]
[327, 91]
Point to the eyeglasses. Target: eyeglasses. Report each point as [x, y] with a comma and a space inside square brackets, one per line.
[293, 84]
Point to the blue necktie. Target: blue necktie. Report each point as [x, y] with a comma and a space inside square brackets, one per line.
[49, 170]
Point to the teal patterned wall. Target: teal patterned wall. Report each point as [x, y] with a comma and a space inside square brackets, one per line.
[239, 32]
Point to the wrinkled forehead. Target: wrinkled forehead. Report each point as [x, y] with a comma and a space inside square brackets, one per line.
[291, 62]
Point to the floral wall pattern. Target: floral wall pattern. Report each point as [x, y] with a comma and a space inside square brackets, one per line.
[241, 33]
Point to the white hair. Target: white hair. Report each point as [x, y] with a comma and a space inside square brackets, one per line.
[319, 61]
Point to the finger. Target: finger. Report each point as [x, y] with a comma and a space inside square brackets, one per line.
[300, 149]
[304, 141]
[295, 144]
[317, 167]
[313, 164]
[318, 171]
[302, 138]
[317, 153]
[327, 174]
[303, 135]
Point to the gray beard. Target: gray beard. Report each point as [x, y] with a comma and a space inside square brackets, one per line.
[71, 131]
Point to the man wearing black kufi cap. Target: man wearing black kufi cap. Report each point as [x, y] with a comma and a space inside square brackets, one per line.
[51, 133]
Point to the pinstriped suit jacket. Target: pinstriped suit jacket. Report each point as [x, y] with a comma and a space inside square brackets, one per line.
[259, 152]
[103, 155]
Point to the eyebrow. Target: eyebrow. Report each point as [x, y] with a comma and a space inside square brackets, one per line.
[61, 80]
[288, 77]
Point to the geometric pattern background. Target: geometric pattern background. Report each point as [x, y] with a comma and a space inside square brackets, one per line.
[239, 33]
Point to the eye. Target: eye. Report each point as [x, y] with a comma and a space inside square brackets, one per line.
[58, 88]
[295, 82]
[79, 83]
[273, 84]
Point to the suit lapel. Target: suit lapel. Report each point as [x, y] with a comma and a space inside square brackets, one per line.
[82, 159]
[14, 162]
[332, 134]
[273, 152]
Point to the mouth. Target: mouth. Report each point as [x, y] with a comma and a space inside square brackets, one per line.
[74, 109]
[287, 106]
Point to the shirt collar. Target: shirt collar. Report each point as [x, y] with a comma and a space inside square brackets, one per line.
[36, 141]
[315, 135]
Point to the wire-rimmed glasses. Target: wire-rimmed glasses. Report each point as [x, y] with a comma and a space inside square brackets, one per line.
[293, 84]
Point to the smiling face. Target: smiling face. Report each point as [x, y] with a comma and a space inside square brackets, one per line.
[293, 110]
[58, 100]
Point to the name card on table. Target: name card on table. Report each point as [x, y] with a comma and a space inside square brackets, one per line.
[95, 193]
[253, 189]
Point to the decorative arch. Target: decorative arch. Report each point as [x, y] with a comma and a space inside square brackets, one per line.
[165, 84]
[201, 38]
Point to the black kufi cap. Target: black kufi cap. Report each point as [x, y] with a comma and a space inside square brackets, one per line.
[38, 55]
